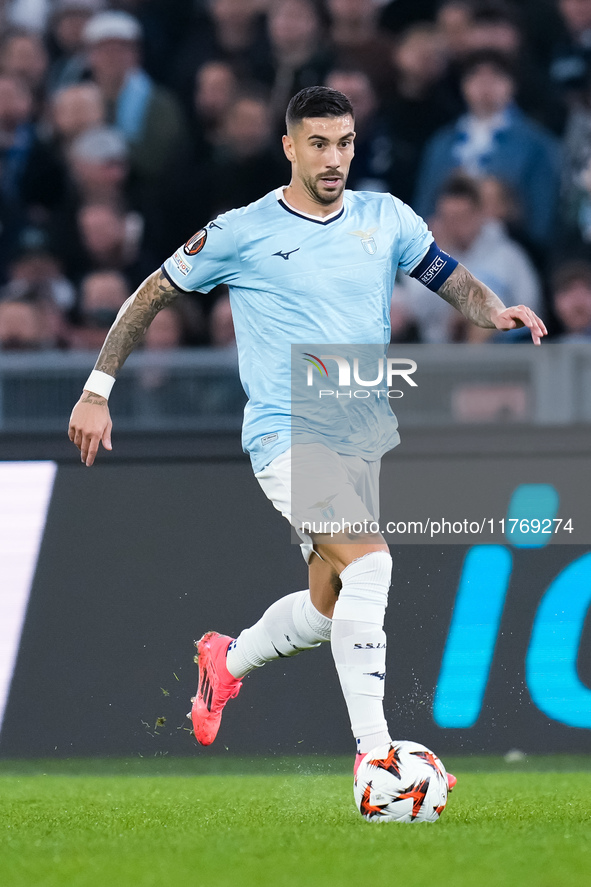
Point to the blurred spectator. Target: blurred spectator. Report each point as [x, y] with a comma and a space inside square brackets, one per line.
[571, 300]
[216, 88]
[164, 24]
[539, 20]
[166, 331]
[221, 393]
[51, 296]
[21, 326]
[23, 55]
[235, 25]
[396, 15]
[16, 129]
[543, 26]
[164, 391]
[227, 30]
[574, 233]
[107, 238]
[111, 238]
[495, 138]
[299, 54]
[221, 325]
[244, 165]
[73, 110]
[461, 228]
[454, 20]
[17, 135]
[146, 114]
[30, 15]
[37, 268]
[497, 25]
[501, 202]
[98, 174]
[404, 328]
[30, 181]
[66, 39]
[358, 41]
[99, 165]
[572, 55]
[101, 296]
[382, 162]
[181, 324]
[419, 103]
[77, 196]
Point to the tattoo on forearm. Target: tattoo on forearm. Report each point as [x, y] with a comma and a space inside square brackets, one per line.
[155, 293]
[471, 297]
[93, 398]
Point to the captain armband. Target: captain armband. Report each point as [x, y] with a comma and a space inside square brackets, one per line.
[434, 269]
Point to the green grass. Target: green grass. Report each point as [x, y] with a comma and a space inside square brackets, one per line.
[285, 823]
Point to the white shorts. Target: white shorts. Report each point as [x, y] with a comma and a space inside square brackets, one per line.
[318, 490]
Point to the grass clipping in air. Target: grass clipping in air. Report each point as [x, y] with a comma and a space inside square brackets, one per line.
[286, 826]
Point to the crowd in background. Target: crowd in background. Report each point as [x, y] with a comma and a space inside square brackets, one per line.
[126, 126]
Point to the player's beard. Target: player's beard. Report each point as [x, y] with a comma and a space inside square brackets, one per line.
[326, 197]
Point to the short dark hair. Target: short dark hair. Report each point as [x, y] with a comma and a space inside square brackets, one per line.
[494, 12]
[463, 186]
[317, 101]
[491, 58]
[569, 273]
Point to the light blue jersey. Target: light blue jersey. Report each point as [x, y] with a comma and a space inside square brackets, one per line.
[293, 279]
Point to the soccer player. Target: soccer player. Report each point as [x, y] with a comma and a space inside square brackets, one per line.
[308, 263]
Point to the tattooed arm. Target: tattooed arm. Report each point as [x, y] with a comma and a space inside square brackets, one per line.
[482, 307]
[155, 293]
[90, 422]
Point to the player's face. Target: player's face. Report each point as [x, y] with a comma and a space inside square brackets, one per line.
[320, 150]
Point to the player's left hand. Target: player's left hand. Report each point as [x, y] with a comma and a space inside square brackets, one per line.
[519, 316]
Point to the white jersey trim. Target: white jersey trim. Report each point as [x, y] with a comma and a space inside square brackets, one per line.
[322, 220]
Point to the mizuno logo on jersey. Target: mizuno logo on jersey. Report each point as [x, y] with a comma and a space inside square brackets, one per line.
[381, 675]
[367, 241]
[286, 255]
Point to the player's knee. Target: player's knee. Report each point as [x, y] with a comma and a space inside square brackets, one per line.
[374, 567]
[365, 586]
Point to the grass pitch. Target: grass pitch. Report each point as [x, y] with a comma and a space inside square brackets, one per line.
[286, 823]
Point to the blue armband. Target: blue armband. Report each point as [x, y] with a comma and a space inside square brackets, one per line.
[434, 269]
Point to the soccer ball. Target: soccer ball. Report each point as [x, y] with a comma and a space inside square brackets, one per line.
[401, 782]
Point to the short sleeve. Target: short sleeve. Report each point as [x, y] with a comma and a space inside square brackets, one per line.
[208, 258]
[415, 237]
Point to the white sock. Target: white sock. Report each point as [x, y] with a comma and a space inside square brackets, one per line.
[359, 646]
[290, 625]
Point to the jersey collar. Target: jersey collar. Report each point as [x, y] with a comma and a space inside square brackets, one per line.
[324, 220]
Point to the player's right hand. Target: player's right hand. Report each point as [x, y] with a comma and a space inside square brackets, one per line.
[90, 424]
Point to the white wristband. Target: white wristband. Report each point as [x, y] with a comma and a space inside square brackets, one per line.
[99, 383]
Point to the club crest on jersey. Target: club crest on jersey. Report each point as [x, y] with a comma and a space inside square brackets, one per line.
[195, 243]
[367, 241]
